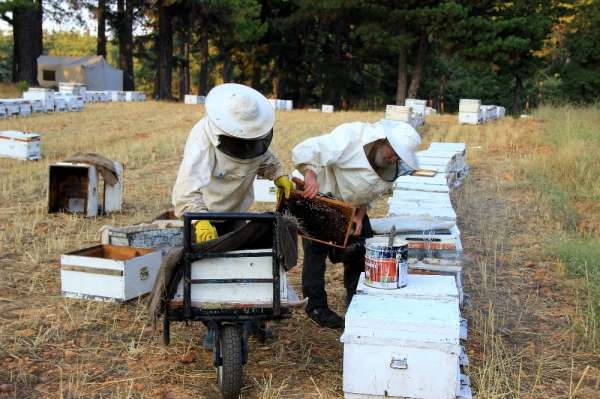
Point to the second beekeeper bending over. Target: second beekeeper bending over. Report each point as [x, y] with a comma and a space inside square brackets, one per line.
[357, 162]
[224, 153]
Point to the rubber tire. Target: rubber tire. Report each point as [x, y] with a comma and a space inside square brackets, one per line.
[231, 374]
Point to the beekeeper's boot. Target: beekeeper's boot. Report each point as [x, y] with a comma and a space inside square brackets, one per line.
[326, 318]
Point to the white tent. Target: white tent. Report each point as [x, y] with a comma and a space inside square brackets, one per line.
[92, 71]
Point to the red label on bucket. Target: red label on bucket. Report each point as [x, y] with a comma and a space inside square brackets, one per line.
[381, 273]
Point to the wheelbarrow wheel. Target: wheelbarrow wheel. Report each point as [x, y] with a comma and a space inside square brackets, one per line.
[230, 373]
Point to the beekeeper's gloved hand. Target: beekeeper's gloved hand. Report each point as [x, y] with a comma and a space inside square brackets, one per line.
[284, 185]
[205, 231]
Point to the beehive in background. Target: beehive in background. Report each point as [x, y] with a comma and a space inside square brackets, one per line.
[418, 106]
[193, 99]
[20, 145]
[327, 108]
[76, 188]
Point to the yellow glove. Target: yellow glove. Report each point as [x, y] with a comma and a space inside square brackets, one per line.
[205, 231]
[283, 185]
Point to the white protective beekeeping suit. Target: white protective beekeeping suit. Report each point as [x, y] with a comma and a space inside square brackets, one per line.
[340, 162]
[210, 180]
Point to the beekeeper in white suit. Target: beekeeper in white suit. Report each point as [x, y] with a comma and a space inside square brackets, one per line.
[224, 153]
[357, 162]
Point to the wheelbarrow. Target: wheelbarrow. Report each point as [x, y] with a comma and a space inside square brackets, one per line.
[233, 293]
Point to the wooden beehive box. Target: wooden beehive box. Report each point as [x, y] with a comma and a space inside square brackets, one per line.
[75, 188]
[20, 145]
[109, 273]
[322, 219]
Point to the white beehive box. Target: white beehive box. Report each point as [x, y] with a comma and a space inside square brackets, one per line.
[327, 108]
[420, 286]
[436, 213]
[60, 104]
[2, 111]
[449, 147]
[20, 145]
[110, 273]
[49, 105]
[289, 105]
[398, 113]
[428, 243]
[401, 348]
[99, 96]
[430, 111]
[442, 267]
[433, 188]
[418, 202]
[25, 108]
[91, 97]
[469, 118]
[265, 191]
[116, 95]
[410, 223]
[12, 106]
[418, 106]
[37, 106]
[75, 188]
[436, 180]
[468, 105]
[192, 99]
[72, 102]
[37, 93]
[75, 89]
[234, 294]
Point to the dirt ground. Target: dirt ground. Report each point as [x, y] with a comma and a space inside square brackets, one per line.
[524, 340]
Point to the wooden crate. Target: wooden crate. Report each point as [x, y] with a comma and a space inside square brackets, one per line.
[109, 273]
[316, 220]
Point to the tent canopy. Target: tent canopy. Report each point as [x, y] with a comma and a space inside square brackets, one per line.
[92, 71]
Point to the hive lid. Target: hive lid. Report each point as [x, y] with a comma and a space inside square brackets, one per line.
[375, 319]
[16, 135]
[419, 286]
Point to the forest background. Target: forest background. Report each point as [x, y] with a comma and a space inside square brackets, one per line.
[355, 54]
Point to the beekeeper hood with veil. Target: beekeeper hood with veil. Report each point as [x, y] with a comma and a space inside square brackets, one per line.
[356, 162]
[224, 153]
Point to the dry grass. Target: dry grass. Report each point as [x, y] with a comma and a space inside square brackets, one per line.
[523, 341]
[9, 90]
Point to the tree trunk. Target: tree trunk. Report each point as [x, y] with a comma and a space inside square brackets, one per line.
[402, 77]
[101, 42]
[125, 35]
[415, 81]
[517, 99]
[184, 73]
[27, 45]
[203, 76]
[226, 63]
[256, 74]
[165, 51]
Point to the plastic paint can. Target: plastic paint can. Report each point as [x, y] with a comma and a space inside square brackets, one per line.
[386, 267]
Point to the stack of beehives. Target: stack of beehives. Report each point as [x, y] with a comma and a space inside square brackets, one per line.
[70, 97]
[471, 112]
[419, 110]
[281, 105]
[393, 336]
[192, 99]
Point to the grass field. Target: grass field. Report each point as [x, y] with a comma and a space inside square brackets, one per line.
[529, 213]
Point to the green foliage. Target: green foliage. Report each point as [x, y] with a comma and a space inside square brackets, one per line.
[580, 73]
[581, 256]
[6, 57]
[22, 86]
